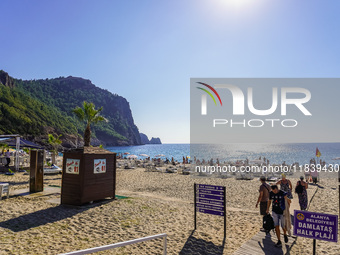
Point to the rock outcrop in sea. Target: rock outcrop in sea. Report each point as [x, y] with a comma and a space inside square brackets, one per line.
[155, 140]
[145, 140]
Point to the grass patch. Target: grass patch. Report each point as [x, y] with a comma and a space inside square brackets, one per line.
[121, 197]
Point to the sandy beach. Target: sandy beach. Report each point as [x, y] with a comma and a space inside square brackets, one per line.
[156, 203]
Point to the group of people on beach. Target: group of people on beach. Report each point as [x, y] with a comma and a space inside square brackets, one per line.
[280, 200]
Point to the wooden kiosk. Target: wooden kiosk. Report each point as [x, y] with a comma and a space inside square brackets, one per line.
[89, 174]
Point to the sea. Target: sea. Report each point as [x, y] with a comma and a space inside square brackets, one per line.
[276, 153]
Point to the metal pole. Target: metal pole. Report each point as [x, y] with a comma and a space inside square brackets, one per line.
[225, 212]
[195, 205]
[116, 245]
[17, 148]
[314, 246]
[164, 245]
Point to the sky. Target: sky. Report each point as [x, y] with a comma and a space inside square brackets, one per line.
[147, 50]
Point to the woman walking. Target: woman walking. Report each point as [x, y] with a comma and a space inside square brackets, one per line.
[286, 186]
[301, 190]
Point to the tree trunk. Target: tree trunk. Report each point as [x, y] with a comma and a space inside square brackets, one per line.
[87, 135]
[54, 158]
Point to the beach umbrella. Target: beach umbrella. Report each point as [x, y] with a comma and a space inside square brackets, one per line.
[159, 156]
[143, 155]
[336, 158]
[132, 156]
[126, 153]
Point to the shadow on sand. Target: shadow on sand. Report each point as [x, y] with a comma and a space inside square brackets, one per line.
[267, 246]
[45, 216]
[200, 246]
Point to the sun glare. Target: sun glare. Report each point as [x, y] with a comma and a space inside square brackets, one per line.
[237, 3]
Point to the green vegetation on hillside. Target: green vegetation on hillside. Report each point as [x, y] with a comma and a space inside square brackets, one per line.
[32, 106]
[22, 114]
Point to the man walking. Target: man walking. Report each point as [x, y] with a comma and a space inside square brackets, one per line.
[263, 197]
[279, 198]
[8, 158]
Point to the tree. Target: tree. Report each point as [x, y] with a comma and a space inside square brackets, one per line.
[55, 142]
[89, 115]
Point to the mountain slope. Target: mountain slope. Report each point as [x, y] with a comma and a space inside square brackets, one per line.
[48, 104]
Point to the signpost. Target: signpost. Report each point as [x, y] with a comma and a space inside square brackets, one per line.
[316, 226]
[210, 199]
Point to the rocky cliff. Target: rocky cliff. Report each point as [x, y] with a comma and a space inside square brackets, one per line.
[144, 138]
[34, 108]
[6, 80]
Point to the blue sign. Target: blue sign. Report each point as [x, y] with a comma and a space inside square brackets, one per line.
[316, 225]
[212, 192]
[211, 212]
[212, 202]
[210, 199]
[210, 207]
[213, 187]
[218, 198]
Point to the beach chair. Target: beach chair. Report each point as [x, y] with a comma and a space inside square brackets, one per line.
[150, 168]
[4, 188]
[171, 169]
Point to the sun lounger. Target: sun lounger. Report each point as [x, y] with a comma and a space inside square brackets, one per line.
[272, 178]
[128, 166]
[186, 171]
[52, 170]
[171, 169]
[246, 177]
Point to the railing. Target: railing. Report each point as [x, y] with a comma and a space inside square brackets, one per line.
[121, 244]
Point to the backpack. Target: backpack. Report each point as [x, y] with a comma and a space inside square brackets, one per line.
[299, 188]
[268, 223]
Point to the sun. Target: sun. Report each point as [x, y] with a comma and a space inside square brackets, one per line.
[237, 3]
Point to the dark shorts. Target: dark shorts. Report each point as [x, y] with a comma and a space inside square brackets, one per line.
[263, 208]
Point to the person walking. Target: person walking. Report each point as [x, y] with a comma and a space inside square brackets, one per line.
[263, 196]
[8, 158]
[279, 199]
[286, 186]
[301, 190]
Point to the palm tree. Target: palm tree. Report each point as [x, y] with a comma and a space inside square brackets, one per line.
[90, 115]
[55, 142]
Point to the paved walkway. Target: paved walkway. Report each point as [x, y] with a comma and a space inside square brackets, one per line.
[264, 244]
